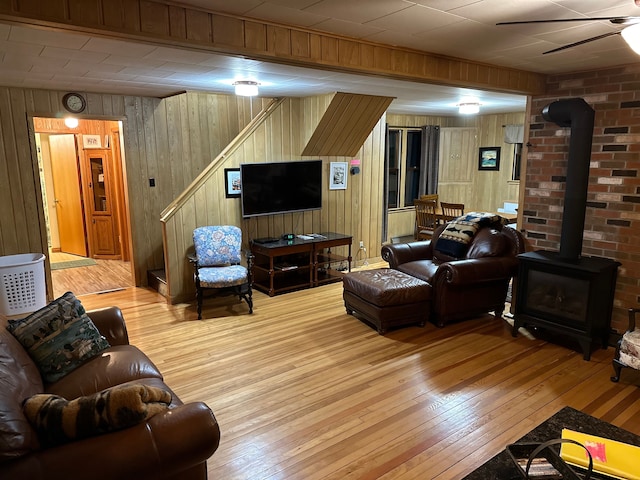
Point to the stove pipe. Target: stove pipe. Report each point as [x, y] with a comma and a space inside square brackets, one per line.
[577, 114]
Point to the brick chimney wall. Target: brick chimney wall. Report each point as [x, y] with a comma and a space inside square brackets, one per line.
[612, 220]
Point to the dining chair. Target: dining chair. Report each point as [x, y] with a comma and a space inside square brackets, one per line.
[426, 219]
[217, 263]
[451, 211]
[430, 196]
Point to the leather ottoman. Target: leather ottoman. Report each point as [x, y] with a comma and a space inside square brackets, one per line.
[387, 298]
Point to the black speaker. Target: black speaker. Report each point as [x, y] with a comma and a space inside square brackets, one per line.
[288, 236]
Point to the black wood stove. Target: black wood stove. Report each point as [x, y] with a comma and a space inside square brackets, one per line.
[563, 292]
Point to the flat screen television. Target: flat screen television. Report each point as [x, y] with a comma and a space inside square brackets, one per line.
[280, 187]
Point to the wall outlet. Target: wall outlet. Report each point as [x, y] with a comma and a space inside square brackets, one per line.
[361, 244]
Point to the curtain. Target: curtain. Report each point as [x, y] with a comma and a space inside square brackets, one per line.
[513, 133]
[429, 159]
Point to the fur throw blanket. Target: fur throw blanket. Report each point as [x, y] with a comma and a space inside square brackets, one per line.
[57, 420]
[456, 237]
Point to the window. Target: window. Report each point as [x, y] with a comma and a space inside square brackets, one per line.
[403, 166]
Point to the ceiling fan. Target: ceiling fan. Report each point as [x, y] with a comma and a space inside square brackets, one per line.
[631, 32]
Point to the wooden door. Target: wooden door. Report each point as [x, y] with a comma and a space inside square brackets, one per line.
[458, 165]
[103, 238]
[68, 195]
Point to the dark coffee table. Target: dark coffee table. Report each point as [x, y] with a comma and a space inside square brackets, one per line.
[501, 466]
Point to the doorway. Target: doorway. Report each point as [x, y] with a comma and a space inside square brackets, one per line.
[83, 188]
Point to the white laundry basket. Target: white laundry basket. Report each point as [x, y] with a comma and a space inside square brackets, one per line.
[22, 284]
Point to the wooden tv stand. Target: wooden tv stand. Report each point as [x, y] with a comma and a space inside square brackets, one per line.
[285, 265]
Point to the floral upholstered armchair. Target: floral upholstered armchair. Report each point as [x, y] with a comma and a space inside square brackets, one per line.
[218, 252]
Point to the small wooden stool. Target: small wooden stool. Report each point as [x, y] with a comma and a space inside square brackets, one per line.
[387, 298]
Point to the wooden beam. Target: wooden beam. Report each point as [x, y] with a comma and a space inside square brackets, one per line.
[168, 23]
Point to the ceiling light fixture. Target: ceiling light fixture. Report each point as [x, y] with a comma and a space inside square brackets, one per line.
[71, 122]
[631, 35]
[246, 88]
[468, 108]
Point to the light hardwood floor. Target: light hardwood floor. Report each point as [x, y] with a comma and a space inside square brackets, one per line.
[106, 275]
[302, 390]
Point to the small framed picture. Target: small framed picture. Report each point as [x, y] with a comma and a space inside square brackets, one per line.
[489, 158]
[91, 141]
[232, 183]
[338, 176]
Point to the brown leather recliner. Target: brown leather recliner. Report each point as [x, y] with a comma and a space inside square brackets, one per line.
[174, 444]
[462, 287]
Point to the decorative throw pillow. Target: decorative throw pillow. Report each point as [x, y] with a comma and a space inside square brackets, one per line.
[59, 337]
[458, 234]
[57, 420]
[454, 240]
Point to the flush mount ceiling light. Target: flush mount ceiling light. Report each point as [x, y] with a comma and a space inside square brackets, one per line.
[467, 108]
[631, 35]
[246, 88]
[71, 122]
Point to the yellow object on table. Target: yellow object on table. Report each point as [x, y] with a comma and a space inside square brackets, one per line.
[617, 459]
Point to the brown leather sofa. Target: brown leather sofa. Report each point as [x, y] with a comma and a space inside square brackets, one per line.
[462, 287]
[174, 444]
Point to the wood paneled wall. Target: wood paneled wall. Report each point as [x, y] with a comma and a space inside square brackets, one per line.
[493, 188]
[280, 136]
[22, 224]
[457, 176]
[170, 140]
[460, 180]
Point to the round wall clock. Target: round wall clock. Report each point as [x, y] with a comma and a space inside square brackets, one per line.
[74, 102]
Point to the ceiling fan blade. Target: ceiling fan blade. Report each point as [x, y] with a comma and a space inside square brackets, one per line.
[616, 20]
[625, 20]
[582, 42]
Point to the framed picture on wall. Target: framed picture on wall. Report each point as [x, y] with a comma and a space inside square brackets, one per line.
[338, 176]
[91, 141]
[232, 184]
[489, 158]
